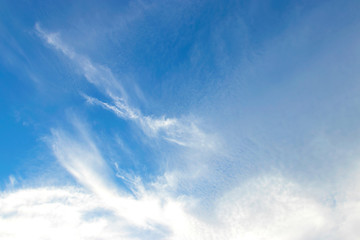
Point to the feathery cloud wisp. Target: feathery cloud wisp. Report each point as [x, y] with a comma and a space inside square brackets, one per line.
[181, 132]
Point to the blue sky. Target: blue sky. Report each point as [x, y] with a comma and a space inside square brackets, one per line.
[179, 119]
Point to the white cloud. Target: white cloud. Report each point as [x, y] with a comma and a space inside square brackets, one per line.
[55, 213]
[268, 207]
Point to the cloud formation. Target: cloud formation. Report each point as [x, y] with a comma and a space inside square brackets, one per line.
[268, 207]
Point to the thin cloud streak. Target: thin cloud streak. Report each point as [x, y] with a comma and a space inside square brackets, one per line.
[181, 132]
[98, 75]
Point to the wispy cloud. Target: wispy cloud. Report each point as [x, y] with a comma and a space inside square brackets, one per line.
[142, 209]
[178, 131]
[183, 131]
[98, 75]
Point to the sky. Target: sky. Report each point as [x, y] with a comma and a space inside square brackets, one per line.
[203, 119]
